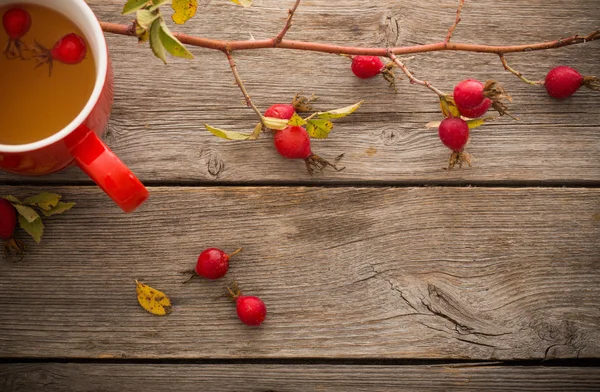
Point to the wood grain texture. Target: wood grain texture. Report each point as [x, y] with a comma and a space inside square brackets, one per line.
[156, 126]
[494, 273]
[290, 378]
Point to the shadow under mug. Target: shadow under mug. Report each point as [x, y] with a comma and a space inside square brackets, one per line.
[79, 142]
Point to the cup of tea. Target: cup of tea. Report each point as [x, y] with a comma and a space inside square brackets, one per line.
[56, 93]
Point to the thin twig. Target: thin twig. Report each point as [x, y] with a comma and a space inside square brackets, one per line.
[517, 73]
[288, 24]
[410, 76]
[354, 50]
[456, 22]
[240, 84]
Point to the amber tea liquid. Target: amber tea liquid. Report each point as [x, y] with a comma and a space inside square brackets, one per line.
[34, 105]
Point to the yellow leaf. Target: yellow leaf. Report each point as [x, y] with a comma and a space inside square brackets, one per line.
[243, 3]
[339, 113]
[449, 108]
[477, 122]
[184, 10]
[154, 301]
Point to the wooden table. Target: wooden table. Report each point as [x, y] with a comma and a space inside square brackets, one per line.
[390, 275]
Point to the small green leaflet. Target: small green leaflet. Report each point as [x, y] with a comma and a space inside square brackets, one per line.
[319, 128]
[59, 208]
[45, 200]
[275, 123]
[156, 4]
[155, 43]
[243, 3]
[296, 120]
[12, 199]
[172, 44]
[26, 212]
[229, 135]
[133, 5]
[144, 18]
[34, 228]
[184, 10]
[339, 113]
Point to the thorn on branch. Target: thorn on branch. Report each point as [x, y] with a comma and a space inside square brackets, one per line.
[288, 24]
[456, 22]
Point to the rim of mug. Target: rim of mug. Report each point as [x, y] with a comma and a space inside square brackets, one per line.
[100, 51]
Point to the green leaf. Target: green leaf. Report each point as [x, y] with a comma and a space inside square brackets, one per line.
[12, 199]
[34, 228]
[172, 44]
[44, 200]
[157, 4]
[339, 113]
[275, 123]
[144, 18]
[59, 208]
[156, 43]
[297, 120]
[229, 135]
[319, 128]
[133, 5]
[184, 10]
[243, 3]
[449, 108]
[27, 212]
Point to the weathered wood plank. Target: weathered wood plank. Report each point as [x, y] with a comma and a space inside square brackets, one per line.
[346, 272]
[159, 110]
[224, 378]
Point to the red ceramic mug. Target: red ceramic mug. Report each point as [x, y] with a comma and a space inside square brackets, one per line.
[79, 142]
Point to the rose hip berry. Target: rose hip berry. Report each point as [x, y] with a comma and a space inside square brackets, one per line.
[16, 22]
[8, 224]
[468, 94]
[280, 110]
[454, 133]
[562, 82]
[366, 67]
[8, 219]
[293, 142]
[251, 310]
[70, 49]
[478, 111]
[213, 263]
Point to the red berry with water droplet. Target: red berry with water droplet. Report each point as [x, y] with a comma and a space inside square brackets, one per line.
[562, 82]
[454, 133]
[293, 142]
[251, 310]
[16, 22]
[478, 111]
[280, 110]
[366, 67]
[468, 94]
[213, 263]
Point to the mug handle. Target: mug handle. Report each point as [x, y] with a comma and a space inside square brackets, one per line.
[109, 172]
